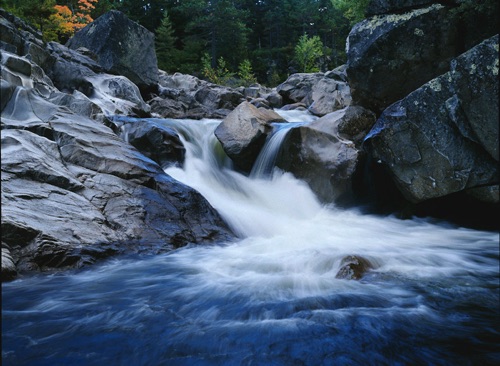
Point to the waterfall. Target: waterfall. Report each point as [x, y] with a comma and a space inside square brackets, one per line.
[271, 297]
[266, 160]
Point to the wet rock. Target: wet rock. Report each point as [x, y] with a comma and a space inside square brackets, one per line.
[323, 154]
[243, 133]
[9, 271]
[353, 267]
[156, 141]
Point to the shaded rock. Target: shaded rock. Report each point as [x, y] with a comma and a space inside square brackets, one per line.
[329, 95]
[185, 96]
[356, 124]
[391, 55]
[6, 91]
[218, 97]
[122, 47]
[243, 133]
[9, 271]
[320, 93]
[298, 88]
[322, 156]
[20, 38]
[156, 141]
[353, 267]
[443, 137]
[339, 73]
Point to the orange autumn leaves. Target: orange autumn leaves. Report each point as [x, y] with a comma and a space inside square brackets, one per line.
[67, 21]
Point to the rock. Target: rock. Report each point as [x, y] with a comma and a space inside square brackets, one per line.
[19, 38]
[274, 99]
[355, 124]
[391, 55]
[329, 95]
[322, 156]
[298, 88]
[243, 133]
[156, 141]
[443, 137]
[73, 192]
[185, 96]
[216, 97]
[321, 94]
[9, 271]
[353, 267]
[6, 91]
[122, 47]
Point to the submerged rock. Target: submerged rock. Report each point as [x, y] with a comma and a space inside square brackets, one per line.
[353, 267]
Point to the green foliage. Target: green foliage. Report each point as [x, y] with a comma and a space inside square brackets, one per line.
[354, 10]
[166, 52]
[218, 75]
[308, 52]
[245, 73]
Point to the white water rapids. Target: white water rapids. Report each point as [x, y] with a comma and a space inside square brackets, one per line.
[272, 297]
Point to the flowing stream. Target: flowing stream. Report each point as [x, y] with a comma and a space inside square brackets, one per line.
[272, 297]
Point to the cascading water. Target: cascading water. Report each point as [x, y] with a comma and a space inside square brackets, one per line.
[271, 298]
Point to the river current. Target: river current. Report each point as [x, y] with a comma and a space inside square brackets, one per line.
[271, 297]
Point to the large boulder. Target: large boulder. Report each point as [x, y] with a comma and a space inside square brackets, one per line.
[243, 133]
[443, 137]
[122, 47]
[323, 153]
[390, 55]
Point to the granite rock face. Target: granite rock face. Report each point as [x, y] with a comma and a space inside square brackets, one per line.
[443, 137]
[391, 55]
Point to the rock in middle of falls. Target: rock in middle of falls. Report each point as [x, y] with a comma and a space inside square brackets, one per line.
[326, 153]
[243, 133]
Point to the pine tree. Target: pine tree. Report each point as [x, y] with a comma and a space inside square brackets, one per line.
[166, 52]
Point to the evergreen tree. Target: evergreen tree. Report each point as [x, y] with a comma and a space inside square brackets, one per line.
[166, 52]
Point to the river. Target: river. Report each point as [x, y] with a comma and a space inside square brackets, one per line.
[272, 296]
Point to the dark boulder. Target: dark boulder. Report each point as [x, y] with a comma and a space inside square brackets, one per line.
[155, 140]
[122, 47]
[391, 55]
[443, 137]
